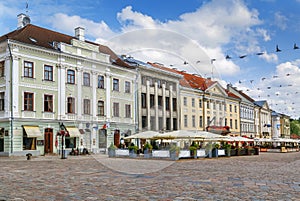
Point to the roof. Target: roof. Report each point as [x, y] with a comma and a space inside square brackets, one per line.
[260, 103]
[35, 35]
[188, 80]
[232, 95]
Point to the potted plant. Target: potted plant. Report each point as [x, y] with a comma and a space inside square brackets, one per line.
[193, 150]
[147, 150]
[227, 149]
[112, 150]
[132, 150]
[174, 152]
[215, 150]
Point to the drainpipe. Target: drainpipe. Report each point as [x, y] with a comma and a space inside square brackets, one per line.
[11, 96]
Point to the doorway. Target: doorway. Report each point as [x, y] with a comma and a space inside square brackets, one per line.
[48, 136]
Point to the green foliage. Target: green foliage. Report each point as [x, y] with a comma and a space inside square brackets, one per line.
[132, 147]
[148, 146]
[112, 147]
[174, 148]
[295, 127]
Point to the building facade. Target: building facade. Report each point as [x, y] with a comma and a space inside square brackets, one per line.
[247, 119]
[51, 79]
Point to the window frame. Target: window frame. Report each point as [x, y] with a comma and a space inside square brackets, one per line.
[48, 74]
[100, 108]
[48, 103]
[116, 86]
[86, 79]
[28, 71]
[2, 68]
[86, 106]
[100, 84]
[127, 87]
[70, 76]
[127, 110]
[28, 101]
[116, 109]
[70, 105]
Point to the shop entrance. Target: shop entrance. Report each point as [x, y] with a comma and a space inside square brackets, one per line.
[1, 139]
[48, 140]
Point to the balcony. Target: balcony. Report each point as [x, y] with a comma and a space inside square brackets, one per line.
[48, 115]
[28, 114]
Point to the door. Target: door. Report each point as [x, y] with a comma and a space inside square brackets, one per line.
[48, 136]
[117, 138]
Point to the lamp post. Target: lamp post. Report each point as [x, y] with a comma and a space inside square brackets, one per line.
[63, 132]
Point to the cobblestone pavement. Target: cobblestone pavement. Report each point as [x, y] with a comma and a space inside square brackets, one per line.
[269, 176]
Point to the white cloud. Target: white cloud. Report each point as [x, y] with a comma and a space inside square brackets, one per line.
[280, 20]
[269, 57]
[264, 34]
[93, 29]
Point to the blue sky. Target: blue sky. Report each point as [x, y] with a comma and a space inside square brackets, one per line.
[195, 31]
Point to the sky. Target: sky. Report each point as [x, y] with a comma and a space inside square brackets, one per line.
[251, 44]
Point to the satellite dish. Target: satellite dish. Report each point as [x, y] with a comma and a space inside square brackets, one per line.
[26, 20]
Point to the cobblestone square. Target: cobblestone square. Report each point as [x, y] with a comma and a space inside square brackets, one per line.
[268, 176]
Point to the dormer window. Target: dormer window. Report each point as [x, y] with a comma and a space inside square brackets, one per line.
[32, 40]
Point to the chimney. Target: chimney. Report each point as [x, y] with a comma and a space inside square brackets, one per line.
[79, 33]
[23, 20]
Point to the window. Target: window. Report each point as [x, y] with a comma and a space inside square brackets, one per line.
[71, 77]
[86, 79]
[208, 121]
[101, 82]
[29, 143]
[193, 121]
[28, 101]
[214, 105]
[100, 108]
[200, 103]
[236, 124]
[48, 73]
[127, 87]
[225, 122]
[208, 103]
[2, 69]
[185, 121]
[174, 104]
[48, 103]
[71, 105]
[2, 96]
[127, 111]
[235, 109]
[167, 103]
[200, 121]
[159, 100]
[116, 110]
[70, 142]
[231, 123]
[220, 106]
[28, 69]
[86, 106]
[151, 100]
[230, 108]
[115, 84]
[184, 101]
[193, 102]
[143, 100]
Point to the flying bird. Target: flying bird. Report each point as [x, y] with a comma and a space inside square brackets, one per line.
[295, 46]
[227, 57]
[277, 49]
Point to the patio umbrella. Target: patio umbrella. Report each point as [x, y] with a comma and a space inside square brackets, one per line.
[178, 134]
[143, 135]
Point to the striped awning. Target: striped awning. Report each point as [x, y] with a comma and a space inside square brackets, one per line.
[73, 131]
[32, 131]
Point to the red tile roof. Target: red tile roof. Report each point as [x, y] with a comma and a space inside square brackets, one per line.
[35, 35]
[188, 80]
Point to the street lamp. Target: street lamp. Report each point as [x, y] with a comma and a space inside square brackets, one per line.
[63, 133]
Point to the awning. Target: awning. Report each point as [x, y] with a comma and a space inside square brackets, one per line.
[73, 131]
[32, 131]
